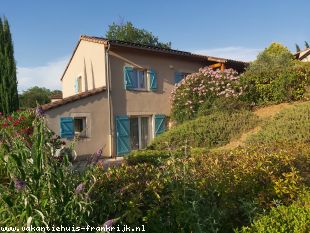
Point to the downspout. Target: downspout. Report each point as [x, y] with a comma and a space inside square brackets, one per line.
[107, 66]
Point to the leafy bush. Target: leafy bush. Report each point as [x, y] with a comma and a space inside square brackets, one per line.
[223, 104]
[202, 87]
[209, 131]
[213, 193]
[290, 125]
[294, 218]
[275, 76]
[37, 189]
[150, 156]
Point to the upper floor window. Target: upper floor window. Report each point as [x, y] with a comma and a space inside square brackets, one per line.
[78, 85]
[139, 79]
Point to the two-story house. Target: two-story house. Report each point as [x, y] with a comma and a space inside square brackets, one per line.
[116, 95]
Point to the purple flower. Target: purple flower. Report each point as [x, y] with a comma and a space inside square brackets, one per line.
[39, 111]
[20, 184]
[108, 223]
[96, 156]
[80, 188]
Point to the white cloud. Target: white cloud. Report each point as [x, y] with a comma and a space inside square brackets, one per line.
[235, 53]
[43, 76]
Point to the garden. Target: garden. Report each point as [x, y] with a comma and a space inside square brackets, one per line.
[179, 183]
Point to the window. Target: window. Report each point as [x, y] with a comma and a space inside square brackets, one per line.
[139, 132]
[79, 83]
[138, 79]
[80, 126]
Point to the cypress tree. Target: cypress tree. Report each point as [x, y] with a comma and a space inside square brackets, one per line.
[297, 48]
[8, 81]
[306, 45]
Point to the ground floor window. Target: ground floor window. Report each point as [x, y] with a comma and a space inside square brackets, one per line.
[80, 126]
[139, 132]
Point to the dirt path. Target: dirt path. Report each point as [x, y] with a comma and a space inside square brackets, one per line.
[263, 114]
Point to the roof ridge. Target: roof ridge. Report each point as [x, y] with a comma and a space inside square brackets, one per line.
[103, 40]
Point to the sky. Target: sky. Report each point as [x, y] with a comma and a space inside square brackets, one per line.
[46, 32]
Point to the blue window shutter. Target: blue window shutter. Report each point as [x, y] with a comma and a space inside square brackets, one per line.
[153, 80]
[128, 82]
[122, 135]
[66, 127]
[160, 124]
[178, 77]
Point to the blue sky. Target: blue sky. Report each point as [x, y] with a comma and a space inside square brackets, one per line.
[46, 32]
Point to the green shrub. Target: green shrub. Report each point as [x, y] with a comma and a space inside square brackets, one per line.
[275, 76]
[214, 193]
[291, 125]
[150, 156]
[200, 88]
[222, 104]
[294, 218]
[209, 131]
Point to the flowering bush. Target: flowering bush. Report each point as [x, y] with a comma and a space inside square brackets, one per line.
[35, 188]
[203, 86]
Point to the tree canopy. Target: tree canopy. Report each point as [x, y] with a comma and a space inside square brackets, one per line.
[8, 81]
[275, 76]
[36, 95]
[128, 32]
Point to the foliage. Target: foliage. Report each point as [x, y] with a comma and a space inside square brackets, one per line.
[223, 104]
[213, 193]
[209, 131]
[274, 76]
[150, 156]
[200, 88]
[128, 32]
[290, 125]
[34, 96]
[294, 218]
[8, 81]
[35, 187]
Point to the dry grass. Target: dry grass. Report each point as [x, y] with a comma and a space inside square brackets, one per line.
[263, 113]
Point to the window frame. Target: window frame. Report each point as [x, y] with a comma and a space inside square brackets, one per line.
[82, 133]
[145, 76]
[149, 133]
[88, 127]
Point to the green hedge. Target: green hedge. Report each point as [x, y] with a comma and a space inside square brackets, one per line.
[150, 156]
[282, 219]
[209, 131]
[214, 193]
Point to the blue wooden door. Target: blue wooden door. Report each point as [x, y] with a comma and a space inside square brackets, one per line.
[122, 135]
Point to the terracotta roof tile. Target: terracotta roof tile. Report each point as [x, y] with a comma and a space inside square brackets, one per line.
[57, 96]
[73, 98]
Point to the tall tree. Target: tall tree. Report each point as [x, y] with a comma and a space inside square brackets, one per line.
[128, 32]
[8, 81]
[307, 45]
[297, 48]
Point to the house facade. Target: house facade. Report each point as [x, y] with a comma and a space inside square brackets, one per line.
[116, 95]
